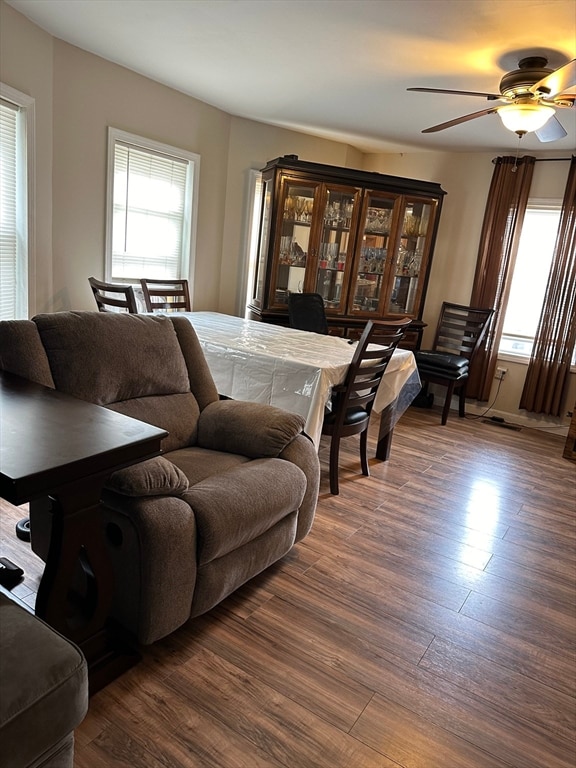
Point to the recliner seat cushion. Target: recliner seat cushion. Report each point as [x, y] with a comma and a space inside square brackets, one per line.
[237, 506]
[199, 463]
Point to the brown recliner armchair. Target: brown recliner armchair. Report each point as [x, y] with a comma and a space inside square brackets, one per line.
[235, 488]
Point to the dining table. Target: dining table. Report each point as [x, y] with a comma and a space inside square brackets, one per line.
[296, 370]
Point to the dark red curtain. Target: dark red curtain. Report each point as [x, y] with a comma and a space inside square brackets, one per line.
[503, 218]
[549, 366]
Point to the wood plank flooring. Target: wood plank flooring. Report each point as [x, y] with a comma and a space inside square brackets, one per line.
[427, 621]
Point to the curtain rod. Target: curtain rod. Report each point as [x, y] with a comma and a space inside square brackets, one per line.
[537, 159]
[552, 159]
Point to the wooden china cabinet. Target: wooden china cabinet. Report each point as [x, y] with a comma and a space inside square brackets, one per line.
[362, 240]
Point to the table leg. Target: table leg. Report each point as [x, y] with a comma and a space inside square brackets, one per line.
[393, 411]
[385, 433]
[76, 589]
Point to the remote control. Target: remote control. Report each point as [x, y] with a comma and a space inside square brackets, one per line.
[10, 574]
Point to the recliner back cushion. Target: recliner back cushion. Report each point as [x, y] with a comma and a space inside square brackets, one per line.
[22, 353]
[104, 357]
[177, 414]
[131, 363]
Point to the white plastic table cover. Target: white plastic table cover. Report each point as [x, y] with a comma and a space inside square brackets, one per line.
[292, 369]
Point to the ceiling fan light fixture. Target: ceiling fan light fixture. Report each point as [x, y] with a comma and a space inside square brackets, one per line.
[523, 118]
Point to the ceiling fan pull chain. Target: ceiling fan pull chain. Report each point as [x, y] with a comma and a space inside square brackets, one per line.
[515, 166]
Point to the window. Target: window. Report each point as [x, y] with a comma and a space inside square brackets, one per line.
[16, 167]
[528, 285]
[151, 217]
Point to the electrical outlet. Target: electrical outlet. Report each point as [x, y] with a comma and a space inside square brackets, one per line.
[500, 373]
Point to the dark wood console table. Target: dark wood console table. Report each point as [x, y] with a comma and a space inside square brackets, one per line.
[53, 445]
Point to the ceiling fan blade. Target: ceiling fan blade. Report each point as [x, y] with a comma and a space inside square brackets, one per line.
[489, 96]
[551, 131]
[459, 120]
[557, 82]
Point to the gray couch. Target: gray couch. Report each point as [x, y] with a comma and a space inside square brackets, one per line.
[235, 488]
[43, 690]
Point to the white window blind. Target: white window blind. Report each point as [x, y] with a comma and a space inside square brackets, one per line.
[12, 244]
[151, 211]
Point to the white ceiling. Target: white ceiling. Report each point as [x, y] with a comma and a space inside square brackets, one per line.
[334, 68]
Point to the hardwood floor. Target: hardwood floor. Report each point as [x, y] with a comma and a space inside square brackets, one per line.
[427, 621]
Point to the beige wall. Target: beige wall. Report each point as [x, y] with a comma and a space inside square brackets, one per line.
[91, 94]
[78, 95]
[26, 54]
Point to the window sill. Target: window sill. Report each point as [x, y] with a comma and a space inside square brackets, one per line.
[506, 357]
[510, 358]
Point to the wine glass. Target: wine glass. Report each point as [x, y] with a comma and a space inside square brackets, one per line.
[300, 204]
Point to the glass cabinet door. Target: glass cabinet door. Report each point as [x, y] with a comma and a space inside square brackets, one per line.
[260, 267]
[375, 251]
[336, 248]
[412, 256]
[294, 246]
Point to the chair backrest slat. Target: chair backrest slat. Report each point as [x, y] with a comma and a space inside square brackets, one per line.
[371, 357]
[461, 329]
[166, 295]
[112, 297]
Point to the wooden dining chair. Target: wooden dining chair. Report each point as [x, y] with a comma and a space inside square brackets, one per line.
[352, 400]
[306, 312]
[112, 297]
[166, 295]
[458, 337]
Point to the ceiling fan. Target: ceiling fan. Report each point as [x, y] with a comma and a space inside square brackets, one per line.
[531, 94]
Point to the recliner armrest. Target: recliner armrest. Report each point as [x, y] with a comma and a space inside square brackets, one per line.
[154, 477]
[250, 429]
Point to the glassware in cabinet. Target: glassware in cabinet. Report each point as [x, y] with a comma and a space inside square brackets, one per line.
[294, 245]
[375, 244]
[412, 256]
[336, 248]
